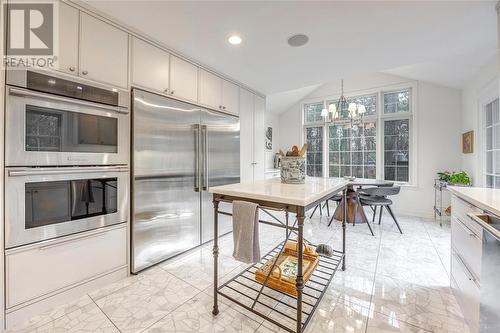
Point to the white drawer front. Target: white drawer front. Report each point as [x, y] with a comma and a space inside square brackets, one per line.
[468, 245]
[466, 291]
[460, 209]
[59, 264]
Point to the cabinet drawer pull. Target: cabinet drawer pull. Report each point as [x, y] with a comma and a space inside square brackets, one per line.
[72, 68]
[172, 92]
[85, 72]
[50, 246]
[467, 271]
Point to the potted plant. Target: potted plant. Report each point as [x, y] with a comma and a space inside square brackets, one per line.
[455, 178]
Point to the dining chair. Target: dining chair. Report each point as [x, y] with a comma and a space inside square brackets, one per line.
[378, 197]
[337, 198]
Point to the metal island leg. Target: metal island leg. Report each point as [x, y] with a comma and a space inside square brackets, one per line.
[300, 279]
[215, 252]
[344, 221]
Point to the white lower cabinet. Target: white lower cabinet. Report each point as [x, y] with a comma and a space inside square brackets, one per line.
[466, 254]
[37, 271]
[466, 290]
[468, 245]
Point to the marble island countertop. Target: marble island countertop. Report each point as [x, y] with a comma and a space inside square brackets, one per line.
[273, 190]
[484, 198]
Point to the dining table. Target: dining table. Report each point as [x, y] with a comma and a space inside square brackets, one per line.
[355, 211]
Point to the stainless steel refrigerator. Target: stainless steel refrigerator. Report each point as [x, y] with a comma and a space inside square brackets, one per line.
[179, 150]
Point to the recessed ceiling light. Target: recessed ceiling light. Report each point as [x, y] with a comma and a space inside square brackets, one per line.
[298, 40]
[234, 39]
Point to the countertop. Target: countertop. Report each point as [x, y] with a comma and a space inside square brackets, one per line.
[273, 190]
[484, 198]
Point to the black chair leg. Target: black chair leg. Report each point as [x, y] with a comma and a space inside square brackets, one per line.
[380, 216]
[314, 211]
[327, 208]
[320, 210]
[374, 214]
[370, 227]
[394, 218]
[331, 220]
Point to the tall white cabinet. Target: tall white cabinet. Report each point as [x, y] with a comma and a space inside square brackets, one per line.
[252, 108]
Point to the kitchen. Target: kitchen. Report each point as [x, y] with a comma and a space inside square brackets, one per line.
[114, 159]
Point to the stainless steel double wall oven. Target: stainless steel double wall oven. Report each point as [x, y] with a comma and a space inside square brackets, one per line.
[66, 156]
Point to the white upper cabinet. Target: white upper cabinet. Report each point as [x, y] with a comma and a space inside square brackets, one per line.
[230, 97]
[210, 90]
[218, 93]
[68, 39]
[259, 136]
[150, 66]
[183, 79]
[103, 52]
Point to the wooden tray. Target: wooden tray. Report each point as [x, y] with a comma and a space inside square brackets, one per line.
[282, 277]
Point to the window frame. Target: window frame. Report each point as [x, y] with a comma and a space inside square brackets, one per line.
[487, 98]
[379, 119]
[410, 115]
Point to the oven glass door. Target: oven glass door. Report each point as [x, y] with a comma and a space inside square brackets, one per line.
[51, 130]
[47, 132]
[76, 199]
[47, 203]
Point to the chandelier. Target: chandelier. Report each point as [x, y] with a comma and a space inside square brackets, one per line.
[355, 111]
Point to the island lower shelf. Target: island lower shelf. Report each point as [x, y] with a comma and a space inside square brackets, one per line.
[277, 307]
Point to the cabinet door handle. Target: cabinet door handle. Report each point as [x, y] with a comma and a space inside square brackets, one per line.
[172, 92]
[166, 90]
[72, 68]
[85, 72]
[223, 107]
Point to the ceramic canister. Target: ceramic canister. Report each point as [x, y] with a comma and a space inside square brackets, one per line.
[293, 169]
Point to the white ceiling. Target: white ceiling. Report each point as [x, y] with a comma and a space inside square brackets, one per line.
[437, 40]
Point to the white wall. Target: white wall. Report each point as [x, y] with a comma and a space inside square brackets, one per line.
[479, 91]
[438, 125]
[272, 120]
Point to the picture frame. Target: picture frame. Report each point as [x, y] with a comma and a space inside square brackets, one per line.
[468, 142]
[269, 138]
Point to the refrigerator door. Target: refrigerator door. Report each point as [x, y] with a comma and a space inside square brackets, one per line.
[220, 165]
[166, 197]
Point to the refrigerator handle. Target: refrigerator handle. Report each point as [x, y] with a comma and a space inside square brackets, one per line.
[196, 131]
[205, 157]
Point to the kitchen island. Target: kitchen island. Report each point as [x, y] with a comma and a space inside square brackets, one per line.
[296, 199]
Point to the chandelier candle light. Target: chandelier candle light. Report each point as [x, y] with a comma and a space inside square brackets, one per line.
[356, 111]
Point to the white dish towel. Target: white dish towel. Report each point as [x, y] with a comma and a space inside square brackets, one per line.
[246, 232]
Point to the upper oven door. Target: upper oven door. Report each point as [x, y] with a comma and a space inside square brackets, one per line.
[48, 130]
[46, 203]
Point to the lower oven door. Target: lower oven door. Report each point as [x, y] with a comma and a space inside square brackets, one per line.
[48, 130]
[46, 203]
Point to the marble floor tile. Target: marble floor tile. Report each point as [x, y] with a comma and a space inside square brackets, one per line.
[196, 316]
[380, 323]
[197, 268]
[138, 306]
[53, 314]
[433, 309]
[339, 316]
[86, 319]
[354, 285]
